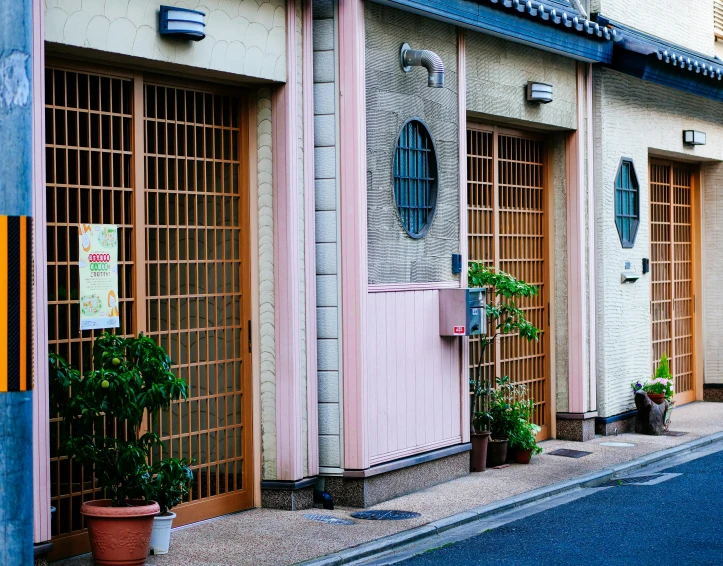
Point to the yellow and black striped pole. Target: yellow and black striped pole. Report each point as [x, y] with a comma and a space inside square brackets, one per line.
[16, 205]
[15, 304]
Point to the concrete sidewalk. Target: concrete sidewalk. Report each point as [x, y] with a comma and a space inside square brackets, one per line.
[270, 537]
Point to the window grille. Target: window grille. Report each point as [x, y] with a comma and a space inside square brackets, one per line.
[415, 177]
[718, 19]
[627, 203]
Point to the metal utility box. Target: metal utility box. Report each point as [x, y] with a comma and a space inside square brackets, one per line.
[462, 312]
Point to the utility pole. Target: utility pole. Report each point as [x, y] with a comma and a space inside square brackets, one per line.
[16, 174]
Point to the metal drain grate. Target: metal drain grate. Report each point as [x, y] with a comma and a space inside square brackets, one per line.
[384, 515]
[567, 453]
[629, 481]
[674, 433]
[328, 519]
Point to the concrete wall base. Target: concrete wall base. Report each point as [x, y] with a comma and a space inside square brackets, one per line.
[368, 491]
[713, 392]
[288, 495]
[579, 430]
[618, 424]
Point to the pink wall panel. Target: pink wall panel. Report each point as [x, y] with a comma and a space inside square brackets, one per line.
[41, 416]
[416, 376]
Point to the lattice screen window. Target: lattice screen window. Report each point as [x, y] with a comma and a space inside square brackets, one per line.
[627, 203]
[718, 19]
[415, 177]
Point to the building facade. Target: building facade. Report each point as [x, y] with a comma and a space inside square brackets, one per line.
[292, 197]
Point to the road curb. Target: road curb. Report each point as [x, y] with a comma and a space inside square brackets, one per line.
[391, 542]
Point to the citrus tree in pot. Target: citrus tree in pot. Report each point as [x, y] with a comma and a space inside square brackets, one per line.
[503, 316]
[102, 414]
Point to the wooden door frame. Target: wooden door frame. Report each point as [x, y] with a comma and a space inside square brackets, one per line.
[549, 251]
[696, 284]
[77, 542]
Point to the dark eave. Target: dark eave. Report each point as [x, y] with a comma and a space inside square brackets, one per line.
[553, 26]
[658, 61]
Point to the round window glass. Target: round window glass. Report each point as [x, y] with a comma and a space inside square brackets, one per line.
[415, 177]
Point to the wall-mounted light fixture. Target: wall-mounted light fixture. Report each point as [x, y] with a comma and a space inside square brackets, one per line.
[409, 58]
[692, 137]
[539, 92]
[182, 22]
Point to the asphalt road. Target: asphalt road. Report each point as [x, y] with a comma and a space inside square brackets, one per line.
[673, 523]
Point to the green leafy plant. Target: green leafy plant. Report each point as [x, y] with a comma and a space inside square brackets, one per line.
[489, 402]
[171, 478]
[662, 382]
[523, 432]
[103, 412]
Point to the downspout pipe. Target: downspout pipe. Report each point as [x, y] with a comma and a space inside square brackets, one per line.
[423, 58]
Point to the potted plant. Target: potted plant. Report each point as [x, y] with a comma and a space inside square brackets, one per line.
[131, 378]
[660, 388]
[522, 435]
[171, 480]
[503, 316]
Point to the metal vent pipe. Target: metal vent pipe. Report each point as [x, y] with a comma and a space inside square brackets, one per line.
[423, 58]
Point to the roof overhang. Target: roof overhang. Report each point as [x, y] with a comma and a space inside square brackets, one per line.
[653, 59]
[553, 26]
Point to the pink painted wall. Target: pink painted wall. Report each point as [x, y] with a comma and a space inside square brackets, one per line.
[41, 417]
[287, 278]
[414, 377]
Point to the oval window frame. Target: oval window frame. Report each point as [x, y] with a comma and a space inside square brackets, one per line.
[434, 188]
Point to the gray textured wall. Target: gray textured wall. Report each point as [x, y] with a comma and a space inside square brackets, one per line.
[635, 118]
[497, 75]
[327, 265]
[392, 98]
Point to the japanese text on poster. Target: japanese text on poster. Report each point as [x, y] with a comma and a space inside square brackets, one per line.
[98, 266]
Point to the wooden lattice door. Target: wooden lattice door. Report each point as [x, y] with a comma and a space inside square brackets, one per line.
[506, 229]
[169, 167]
[672, 250]
[197, 282]
[89, 180]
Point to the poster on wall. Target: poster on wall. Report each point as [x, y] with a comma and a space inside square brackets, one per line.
[98, 267]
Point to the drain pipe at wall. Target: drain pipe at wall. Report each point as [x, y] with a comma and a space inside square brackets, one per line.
[409, 58]
[592, 256]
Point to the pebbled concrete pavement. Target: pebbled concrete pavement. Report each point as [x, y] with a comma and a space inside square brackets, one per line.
[268, 537]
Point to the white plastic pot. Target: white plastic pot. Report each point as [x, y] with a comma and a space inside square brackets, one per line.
[161, 535]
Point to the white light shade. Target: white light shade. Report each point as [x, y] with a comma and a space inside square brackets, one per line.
[539, 92]
[693, 137]
[182, 22]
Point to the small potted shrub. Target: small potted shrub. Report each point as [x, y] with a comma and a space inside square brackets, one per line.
[488, 408]
[171, 480]
[660, 388]
[522, 435]
[131, 378]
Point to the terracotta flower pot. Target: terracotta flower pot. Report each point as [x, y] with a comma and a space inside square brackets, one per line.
[496, 452]
[119, 535]
[523, 456]
[657, 398]
[478, 459]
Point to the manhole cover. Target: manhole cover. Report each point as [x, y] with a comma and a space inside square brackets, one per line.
[328, 519]
[569, 453]
[674, 433]
[384, 515]
[617, 444]
[629, 481]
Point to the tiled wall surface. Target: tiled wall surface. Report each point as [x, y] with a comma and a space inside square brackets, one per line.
[327, 264]
[245, 37]
[684, 22]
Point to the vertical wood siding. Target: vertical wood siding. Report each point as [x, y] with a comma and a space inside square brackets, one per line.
[415, 376]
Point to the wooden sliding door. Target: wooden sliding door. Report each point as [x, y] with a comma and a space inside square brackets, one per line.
[507, 229]
[673, 249]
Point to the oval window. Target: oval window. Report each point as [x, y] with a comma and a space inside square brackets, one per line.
[415, 177]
